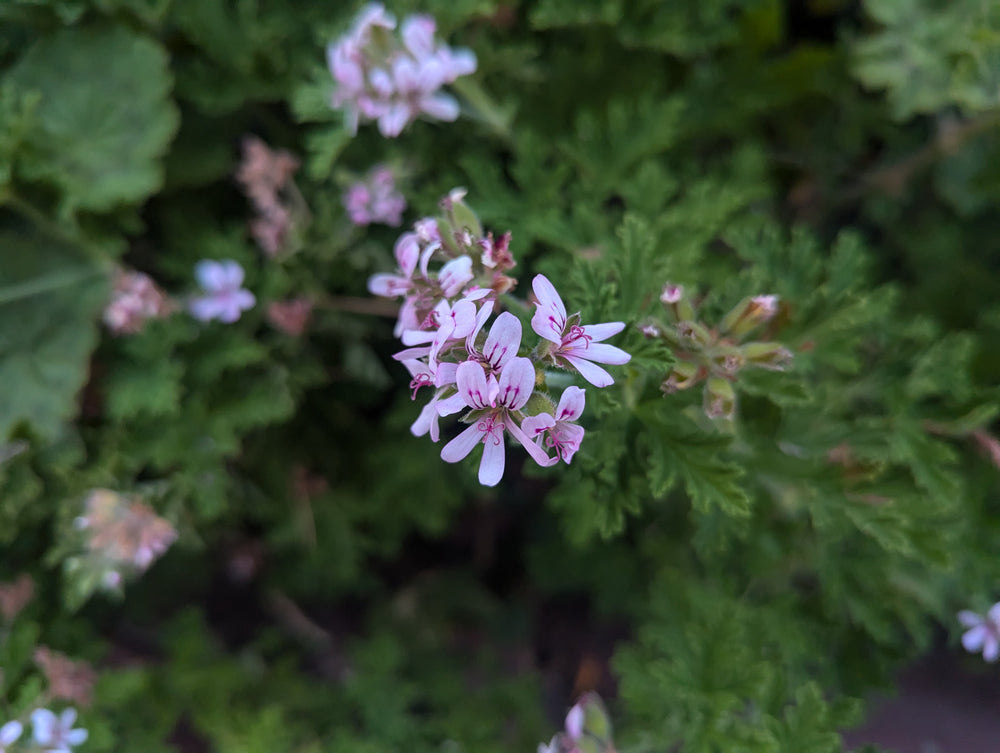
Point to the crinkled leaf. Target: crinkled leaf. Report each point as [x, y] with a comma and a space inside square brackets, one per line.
[51, 295]
[104, 117]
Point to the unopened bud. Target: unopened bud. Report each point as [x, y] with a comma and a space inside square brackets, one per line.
[459, 216]
[772, 356]
[650, 330]
[596, 720]
[728, 359]
[749, 313]
[684, 374]
[694, 333]
[720, 400]
[677, 304]
[502, 283]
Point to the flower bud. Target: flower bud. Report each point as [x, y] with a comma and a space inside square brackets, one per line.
[727, 359]
[677, 304]
[720, 400]
[772, 356]
[749, 313]
[694, 333]
[684, 374]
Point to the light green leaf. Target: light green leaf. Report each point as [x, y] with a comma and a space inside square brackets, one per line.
[104, 117]
[50, 297]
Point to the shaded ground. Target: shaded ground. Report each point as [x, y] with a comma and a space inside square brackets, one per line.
[946, 704]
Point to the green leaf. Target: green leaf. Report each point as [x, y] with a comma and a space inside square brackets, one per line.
[104, 117]
[51, 295]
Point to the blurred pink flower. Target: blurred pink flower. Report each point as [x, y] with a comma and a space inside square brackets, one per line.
[983, 632]
[375, 199]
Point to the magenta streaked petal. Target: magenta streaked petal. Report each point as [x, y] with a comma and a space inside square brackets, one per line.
[517, 382]
[571, 404]
[463, 313]
[472, 385]
[454, 275]
[534, 450]
[388, 286]
[589, 371]
[548, 296]
[535, 425]
[463, 444]
[600, 332]
[599, 352]
[503, 341]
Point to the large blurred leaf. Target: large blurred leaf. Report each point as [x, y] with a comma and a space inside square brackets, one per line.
[104, 116]
[50, 296]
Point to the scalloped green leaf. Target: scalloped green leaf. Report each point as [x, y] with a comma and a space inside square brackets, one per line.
[51, 295]
[104, 116]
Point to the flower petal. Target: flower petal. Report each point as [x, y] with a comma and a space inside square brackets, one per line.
[994, 614]
[517, 382]
[210, 275]
[77, 736]
[571, 404]
[533, 426]
[969, 619]
[503, 341]
[549, 319]
[974, 639]
[440, 107]
[537, 453]
[463, 444]
[494, 457]
[991, 649]
[10, 732]
[451, 404]
[472, 385]
[600, 332]
[43, 726]
[591, 372]
[599, 352]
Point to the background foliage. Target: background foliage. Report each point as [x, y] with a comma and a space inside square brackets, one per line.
[748, 581]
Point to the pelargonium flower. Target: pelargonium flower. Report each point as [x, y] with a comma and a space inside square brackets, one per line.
[375, 199]
[56, 734]
[578, 347]
[557, 431]
[9, 733]
[394, 80]
[134, 299]
[499, 402]
[983, 632]
[224, 299]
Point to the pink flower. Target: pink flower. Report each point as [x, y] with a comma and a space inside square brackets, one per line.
[983, 633]
[499, 402]
[134, 299]
[390, 80]
[557, 430]
[225, 297]
[375, 199]
[576, 346]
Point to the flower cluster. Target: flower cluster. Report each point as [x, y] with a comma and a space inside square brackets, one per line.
[587, 728]
[225, 298]
[67, 680]
[394, 80]
[134, 299]
[51, 733]
[122, 536]
[375, 199]
[715, 354]
[983, 632]
[265, 175]
[478, 369]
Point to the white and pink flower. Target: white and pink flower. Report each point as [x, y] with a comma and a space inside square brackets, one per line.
[577, 347]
